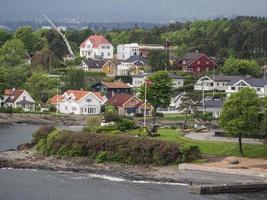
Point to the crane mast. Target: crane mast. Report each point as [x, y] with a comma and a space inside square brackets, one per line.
[63, 37]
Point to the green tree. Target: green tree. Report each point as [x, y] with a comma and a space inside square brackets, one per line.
[158, 60]
[4, 36]
[75, 79]
[159, 92]
[240, 115]
[233, 66]
[32, 40]
[12, 53]
[41, 86]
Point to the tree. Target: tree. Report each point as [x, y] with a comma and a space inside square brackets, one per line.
[158, 60]
[240, 115]
[12, 53]
[41, 86]
[75, 79]
[159, 92]
[32, 40]
[4, 36]
[233, 66]
[187, 106]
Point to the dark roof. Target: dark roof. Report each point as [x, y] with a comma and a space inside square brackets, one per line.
[119, 99]
[91, 63]
[136, 59]
[254, 82]
[171, 75]
[25, 102]
[212, 103]
[225, 78]
[191, 56]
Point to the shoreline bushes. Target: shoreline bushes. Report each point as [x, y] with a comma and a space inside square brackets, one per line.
[114, 148]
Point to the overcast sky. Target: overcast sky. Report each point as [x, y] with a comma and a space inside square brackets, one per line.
[129, 10]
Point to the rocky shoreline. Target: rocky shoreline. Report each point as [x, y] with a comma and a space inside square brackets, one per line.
[43, 119]
[29, 159]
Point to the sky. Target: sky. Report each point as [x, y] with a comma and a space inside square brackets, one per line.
[129, 10]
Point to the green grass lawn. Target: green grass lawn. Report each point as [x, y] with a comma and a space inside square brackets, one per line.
[208, 147]
[177, 117]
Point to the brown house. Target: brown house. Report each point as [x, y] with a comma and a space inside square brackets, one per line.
[195, 63]
[129, 105]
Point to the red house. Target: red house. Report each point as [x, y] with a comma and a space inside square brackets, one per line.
[195, 63]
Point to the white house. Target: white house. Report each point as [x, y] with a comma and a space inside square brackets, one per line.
[216, 82]
[96, 47]
[16, 98]
[259, 85]
[125, 51]
[138, 80]
[174, 106]
[79, 102]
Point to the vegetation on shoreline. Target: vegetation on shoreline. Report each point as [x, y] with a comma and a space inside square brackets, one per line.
[113, 148]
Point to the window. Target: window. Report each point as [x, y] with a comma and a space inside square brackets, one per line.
[73, 108]
[190, 69]
[92, 110]
[24, 97]
[198, 62]
[66, 107]
[232, 88]
[198, 69]
[207, 62]
[258, 89]
[89, 100]
[103, 47]
[108, 54]
[88, 46]
[107, 47]
[183, 62]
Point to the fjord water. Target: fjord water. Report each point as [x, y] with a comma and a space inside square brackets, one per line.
[41, 184]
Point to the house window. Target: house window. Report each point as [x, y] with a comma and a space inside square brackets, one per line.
[258, 89]
[66, 107]
[198, 62]
[198, 69]
[89, 100]
[103, 47]
[190, 69]
[24, 97]
[183, 62]
[92, 110]
[107, 47]
[232, 88]
[73, 108]
[207, 62]
[108, 54]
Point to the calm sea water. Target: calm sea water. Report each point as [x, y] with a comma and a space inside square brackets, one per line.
[24, 184]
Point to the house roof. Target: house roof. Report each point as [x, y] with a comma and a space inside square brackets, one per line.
[192, 56]
[114, 85]
[55, 99]
[254, 82]
[119, 99]
[91, 63]
[212, 103]
[102, 98]
[136, 59]
[96, 40]
[77, 93]
[13, 94]
[225, 78]
[171, 75]
[25, 102]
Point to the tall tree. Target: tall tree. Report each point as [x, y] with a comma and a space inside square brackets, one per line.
[12, 53]
[240, 115]
[4, 36]
[234, 66]
[158, 60]
[158, 92]
[75, 79]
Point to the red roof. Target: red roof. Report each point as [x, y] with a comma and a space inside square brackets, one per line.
[119, 99]
[55, 99]
[13, 94]
[102, 98]
[96, 40]
[77, 93]
[115, 85]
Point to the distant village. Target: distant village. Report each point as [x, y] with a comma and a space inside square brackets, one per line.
[98, 55]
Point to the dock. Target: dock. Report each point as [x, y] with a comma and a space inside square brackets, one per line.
[228, 188]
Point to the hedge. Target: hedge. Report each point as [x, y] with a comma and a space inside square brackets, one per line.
[114, 148]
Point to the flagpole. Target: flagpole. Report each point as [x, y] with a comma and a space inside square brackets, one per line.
[145, 105]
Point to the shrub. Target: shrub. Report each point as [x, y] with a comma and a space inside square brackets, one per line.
[159, 114]
[106, 129]
[111, 117]
[139, 114]
[116, 148]
[42, 133]
[126, 124]
[92, 123]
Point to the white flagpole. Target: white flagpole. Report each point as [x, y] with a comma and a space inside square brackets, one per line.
[145, 105]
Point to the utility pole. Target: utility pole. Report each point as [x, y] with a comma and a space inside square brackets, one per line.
[203, 97]
[145, 104]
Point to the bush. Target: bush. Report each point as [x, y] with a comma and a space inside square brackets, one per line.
[126, 124]
[116, 148]
[42, 133]
[111, 117]
[92, 123]
[139, 114]
[106, 129]
[159, 114]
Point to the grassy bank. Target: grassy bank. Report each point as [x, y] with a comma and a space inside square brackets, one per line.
[208, 147]
[119, 148]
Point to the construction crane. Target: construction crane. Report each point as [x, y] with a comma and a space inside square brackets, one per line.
[72, 56]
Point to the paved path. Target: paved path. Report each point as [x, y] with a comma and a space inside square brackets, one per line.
[209, 136]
